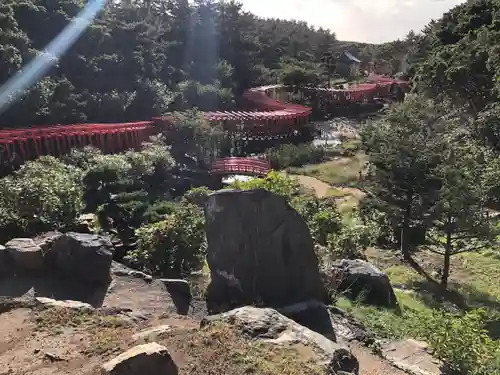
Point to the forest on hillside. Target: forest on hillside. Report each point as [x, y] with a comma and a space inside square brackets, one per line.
[142, 58]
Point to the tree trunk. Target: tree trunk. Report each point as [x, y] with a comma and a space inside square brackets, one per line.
[445, 274]
[405, 248]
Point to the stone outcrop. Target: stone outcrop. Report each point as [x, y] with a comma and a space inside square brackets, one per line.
[412, 356]
[270, 326]
[178, 287]
[143, 359]
[64, 304]
[25, 253]
[152, 334]
[260, 252]
[359, 279]
[46, 240]
[85, 256]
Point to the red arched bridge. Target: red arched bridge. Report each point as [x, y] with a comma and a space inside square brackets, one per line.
[271, 116]
[240, 166]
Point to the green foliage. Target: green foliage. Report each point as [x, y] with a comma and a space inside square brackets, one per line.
[460, 220]
[112, 174]
[43, 195]
[404, 151]
[462, 341]
[172, 247]
[321, 216]
[351, 241]
[197, 196]
[157, 211]
[459, 340]
[458, 56]
[289, 155]
[83, 158]
[273, 182]
[194, 136]
[296, 73]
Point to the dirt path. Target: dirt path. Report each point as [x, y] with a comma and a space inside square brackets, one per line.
[62, 342]
[322, 189]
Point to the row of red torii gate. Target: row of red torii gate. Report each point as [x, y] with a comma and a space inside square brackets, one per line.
[271, 116]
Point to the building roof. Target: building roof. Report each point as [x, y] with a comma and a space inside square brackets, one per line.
[349, 57]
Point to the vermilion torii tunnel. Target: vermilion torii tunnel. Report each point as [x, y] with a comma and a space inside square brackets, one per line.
[272, 119]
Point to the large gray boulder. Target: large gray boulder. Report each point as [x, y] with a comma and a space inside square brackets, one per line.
[359, 279]
[46, 240]
[260, 252]
[85, 256]
[270, 326]
[25, 253]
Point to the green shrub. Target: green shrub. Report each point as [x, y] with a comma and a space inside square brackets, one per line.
[197, 195]
[121, 173]
[139, 195]
[83, 158]
[273, 182]
[289, 155]
[172, 247]
[42, 195]
[351, 241]
[158, 211]
[462, 341]
[321, 216]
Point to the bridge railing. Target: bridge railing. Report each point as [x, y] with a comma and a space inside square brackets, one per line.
[234, 165]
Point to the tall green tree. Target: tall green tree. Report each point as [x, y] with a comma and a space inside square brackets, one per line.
[404, 154]
[461, 222]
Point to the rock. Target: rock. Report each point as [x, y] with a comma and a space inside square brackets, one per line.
[6, 268]
[358, 278]
[180, 292]
[260, 252]
[152, 334]
[119, 269]
[412, 357]
[342, 362]
[178, 287]
[270, 326]
[25, 253]
[8, 303]
[86, 256]
[143, 359]
[348, 329]
[312, 314]
[52, 357]
[46, 240]
[67, 304]
[86, 223]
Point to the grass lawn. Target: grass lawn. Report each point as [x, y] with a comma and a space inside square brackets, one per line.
[473, 284]
[388, 324]
[340, 171]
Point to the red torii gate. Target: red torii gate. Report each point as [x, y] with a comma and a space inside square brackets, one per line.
[270, 117]
[56, 140]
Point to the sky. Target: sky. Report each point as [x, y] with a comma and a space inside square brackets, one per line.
[372, 21]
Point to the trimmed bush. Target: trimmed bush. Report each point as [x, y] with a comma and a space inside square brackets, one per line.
[172, 247]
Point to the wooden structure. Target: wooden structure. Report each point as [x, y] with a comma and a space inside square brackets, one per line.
[272, 119]
[240, 166]
[348, 65]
